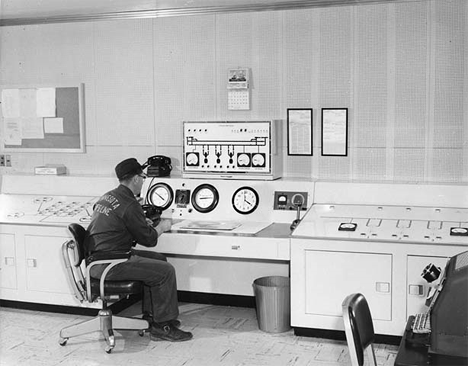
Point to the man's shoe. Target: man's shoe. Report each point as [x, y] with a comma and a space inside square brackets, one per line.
[149, 319]
[169, 332]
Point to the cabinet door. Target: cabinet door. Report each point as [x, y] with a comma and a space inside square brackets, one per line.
[417, 287]
[8, 273]
[331, 276]
[45, 271]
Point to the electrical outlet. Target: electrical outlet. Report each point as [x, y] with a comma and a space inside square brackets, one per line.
[8, 160]
[2, 160]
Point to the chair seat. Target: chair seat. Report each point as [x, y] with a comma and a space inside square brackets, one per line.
[121, 288]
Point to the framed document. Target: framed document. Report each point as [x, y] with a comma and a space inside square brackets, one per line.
[334, 131]
[300, 131]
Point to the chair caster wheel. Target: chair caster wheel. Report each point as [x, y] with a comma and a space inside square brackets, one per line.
[141, 333]
[63, 341]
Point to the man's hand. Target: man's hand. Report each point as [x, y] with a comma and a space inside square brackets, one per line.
[163, 226]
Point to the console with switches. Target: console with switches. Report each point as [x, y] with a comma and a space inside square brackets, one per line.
[287, 200]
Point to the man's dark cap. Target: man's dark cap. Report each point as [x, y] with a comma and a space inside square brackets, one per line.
[128, 168]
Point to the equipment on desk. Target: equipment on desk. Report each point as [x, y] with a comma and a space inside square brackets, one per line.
[152, 212]
[359, 329]
[447, 330]
[158, 166]
[89, 289]
[50, 169]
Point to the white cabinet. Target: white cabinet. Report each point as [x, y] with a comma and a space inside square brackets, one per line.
[45, 271]
[8, 270]
[324, 272]
[31, 268]
[334, 275]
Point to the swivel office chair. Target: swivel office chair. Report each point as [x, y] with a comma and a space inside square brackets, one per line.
[88, 289]
[359, 329]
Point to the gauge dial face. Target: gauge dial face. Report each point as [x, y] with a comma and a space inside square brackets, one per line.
[160, 195]
[205, 198]
[245, 200]
[192, 159]
[258, 160]
[243, 160]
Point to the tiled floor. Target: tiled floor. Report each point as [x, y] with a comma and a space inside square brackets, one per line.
[223, 335]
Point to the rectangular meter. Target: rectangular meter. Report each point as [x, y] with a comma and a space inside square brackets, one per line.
[232, 149]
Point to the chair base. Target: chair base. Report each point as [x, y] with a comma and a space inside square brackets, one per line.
[106, 323]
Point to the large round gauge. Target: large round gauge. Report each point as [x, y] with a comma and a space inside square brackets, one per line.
[160, 195]
[205, 198]
[245, 200]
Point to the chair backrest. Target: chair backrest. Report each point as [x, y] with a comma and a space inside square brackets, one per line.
[359, 328]
[79, 233]
[73, 253]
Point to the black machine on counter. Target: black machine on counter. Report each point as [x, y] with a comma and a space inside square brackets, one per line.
[158, 166]
[448, 308]
[449, 314]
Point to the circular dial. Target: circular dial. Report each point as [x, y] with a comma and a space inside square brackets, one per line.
[192, 159]
[258, 160]
[245, 200]
[298, 199]
[160, 195]
[243, 160]
[205, 198]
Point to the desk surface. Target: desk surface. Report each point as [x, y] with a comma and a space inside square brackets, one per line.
[418, 355]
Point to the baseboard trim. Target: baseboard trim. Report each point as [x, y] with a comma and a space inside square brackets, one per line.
[340, 335]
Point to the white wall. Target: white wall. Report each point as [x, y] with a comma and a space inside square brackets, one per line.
[399, 68]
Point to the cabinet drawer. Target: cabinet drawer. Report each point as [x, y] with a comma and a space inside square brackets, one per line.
[331, 276]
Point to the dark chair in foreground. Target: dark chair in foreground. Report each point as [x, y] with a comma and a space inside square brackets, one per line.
[359, 329]
[88, 289]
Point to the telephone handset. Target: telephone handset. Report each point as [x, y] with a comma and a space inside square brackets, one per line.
[152, 212]
[158, 166]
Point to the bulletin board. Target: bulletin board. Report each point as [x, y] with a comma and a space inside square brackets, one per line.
[42, 118]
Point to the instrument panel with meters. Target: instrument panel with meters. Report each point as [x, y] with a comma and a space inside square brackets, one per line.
[205, 198]
[160, 195]
[245, 200]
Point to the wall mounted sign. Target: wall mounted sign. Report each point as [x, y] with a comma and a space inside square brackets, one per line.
[300, 131]
[334, 131]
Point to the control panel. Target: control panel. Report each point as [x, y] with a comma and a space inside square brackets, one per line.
[240, 149]
[389, 223]
[30, 209]
[232, 204]
[285, 200]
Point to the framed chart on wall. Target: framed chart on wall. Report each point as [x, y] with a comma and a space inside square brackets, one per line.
[45, 118]
[300, 131]
[334, 131]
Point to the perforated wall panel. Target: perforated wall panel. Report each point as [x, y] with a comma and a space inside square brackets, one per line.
[409, 165]
[370, 78]
[184, 75]
[411, 83]
[449, 65]
[124, 92]
[446, 165]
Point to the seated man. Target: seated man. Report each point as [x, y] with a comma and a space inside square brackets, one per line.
[118, 223]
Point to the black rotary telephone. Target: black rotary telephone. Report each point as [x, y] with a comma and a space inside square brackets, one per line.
[152, 212]
[158, 166]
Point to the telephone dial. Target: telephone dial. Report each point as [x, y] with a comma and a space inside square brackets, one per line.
[152, 212]
[158, 166]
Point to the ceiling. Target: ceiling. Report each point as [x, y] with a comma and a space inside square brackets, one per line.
[20, 12]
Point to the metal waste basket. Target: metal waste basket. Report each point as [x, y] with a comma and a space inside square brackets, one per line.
[272, 297]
